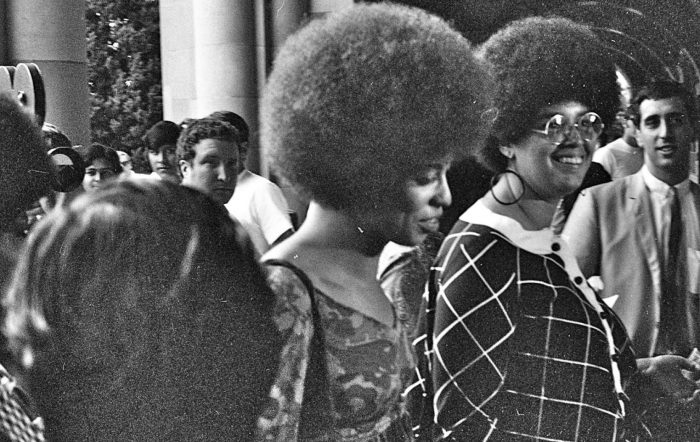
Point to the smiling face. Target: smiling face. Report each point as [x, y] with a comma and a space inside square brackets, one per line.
[213, 170]
[418, 214]
[666, 133]
[551, 170]
[98, 174]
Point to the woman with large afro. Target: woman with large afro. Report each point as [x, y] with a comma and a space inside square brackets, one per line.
[363, 112]
[518, 345]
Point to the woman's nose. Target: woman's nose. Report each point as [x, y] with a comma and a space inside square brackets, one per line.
[443, 195]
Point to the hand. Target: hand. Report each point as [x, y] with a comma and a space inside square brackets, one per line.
[668, 373]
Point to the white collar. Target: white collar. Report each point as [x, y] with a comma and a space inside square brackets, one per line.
[655, 185]
[535, 241]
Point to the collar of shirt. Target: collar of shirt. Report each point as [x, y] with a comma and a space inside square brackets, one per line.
[535, 241]
[542, 242]
[658, 187]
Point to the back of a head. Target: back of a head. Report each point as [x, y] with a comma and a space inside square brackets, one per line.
[358, 100]
[234, 120]
[25, 170]
[147, 317]
[542, 61]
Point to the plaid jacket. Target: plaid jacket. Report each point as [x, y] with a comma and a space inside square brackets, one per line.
[514, 343]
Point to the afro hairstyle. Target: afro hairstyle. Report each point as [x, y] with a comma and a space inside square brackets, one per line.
[361, 101]
[539, 62]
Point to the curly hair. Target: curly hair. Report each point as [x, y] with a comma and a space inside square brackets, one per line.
[142, 304]
[538, 62]
[203, 129]
[98, 151]
[26, 173]
[360, 101]
[234, 120]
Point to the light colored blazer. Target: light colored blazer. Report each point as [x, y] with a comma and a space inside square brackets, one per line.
[611, 232]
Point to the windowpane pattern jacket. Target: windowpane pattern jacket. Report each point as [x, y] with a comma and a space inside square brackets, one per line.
[514, 344]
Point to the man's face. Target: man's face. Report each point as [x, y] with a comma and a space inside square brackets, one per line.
[665, 133]
[213, 170]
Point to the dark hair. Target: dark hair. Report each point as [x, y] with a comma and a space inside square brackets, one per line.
[359, 101]
[146, 315]
[234, 120]
[538, 62]
[203, 129]
[161, 134]
[26, 172]
[98, 151]
[54, 137]
[660, 89]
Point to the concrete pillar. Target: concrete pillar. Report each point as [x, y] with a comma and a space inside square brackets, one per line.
[224, 57]
[52, 35]
[286, 17]
[177, 59]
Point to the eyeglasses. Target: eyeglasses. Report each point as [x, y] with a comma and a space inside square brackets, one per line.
[589, 127]
[104, 172]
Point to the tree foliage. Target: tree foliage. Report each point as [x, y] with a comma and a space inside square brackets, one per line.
[124, 74]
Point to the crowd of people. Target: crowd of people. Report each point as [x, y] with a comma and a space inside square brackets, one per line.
[174, 296]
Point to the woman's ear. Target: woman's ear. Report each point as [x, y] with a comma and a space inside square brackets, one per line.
[507, 151]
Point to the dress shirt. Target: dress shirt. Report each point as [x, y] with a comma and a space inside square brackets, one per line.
[661, 196]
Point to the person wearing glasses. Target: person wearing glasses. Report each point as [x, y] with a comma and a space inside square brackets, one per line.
[641, 235]
[514, 343]
[102, 165]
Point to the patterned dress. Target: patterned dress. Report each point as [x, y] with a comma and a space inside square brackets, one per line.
[368, 366]
[518, 346]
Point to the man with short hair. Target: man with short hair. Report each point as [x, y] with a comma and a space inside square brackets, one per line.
[207, 153]
[641, 234]
[622, 156]
[258, 204]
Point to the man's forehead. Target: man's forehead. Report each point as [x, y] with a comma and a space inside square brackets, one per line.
[661, 106]
[216, 146]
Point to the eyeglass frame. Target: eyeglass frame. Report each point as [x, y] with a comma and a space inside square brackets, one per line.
[569, 127]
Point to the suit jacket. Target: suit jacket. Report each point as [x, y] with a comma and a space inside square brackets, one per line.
[611, 232]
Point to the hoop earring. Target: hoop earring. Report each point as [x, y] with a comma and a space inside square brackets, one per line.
[497, 177]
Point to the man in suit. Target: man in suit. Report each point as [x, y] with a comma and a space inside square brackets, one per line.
[641, 235]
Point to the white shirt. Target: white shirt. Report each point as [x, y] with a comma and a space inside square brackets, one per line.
[259, 205]
[619, 159]
[661, 197]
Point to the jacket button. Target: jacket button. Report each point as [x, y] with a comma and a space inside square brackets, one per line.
[556, 246]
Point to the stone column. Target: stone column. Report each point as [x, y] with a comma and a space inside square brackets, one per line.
[224, 57]
[177, 59]
[52, 35]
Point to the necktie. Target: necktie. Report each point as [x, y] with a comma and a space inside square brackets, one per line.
[672, 315]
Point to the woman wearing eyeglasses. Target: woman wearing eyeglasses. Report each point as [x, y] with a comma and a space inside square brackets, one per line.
[101, 166]
[519, 346]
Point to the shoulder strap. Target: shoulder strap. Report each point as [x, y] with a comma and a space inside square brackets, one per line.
[317, 407]
[302, 277]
